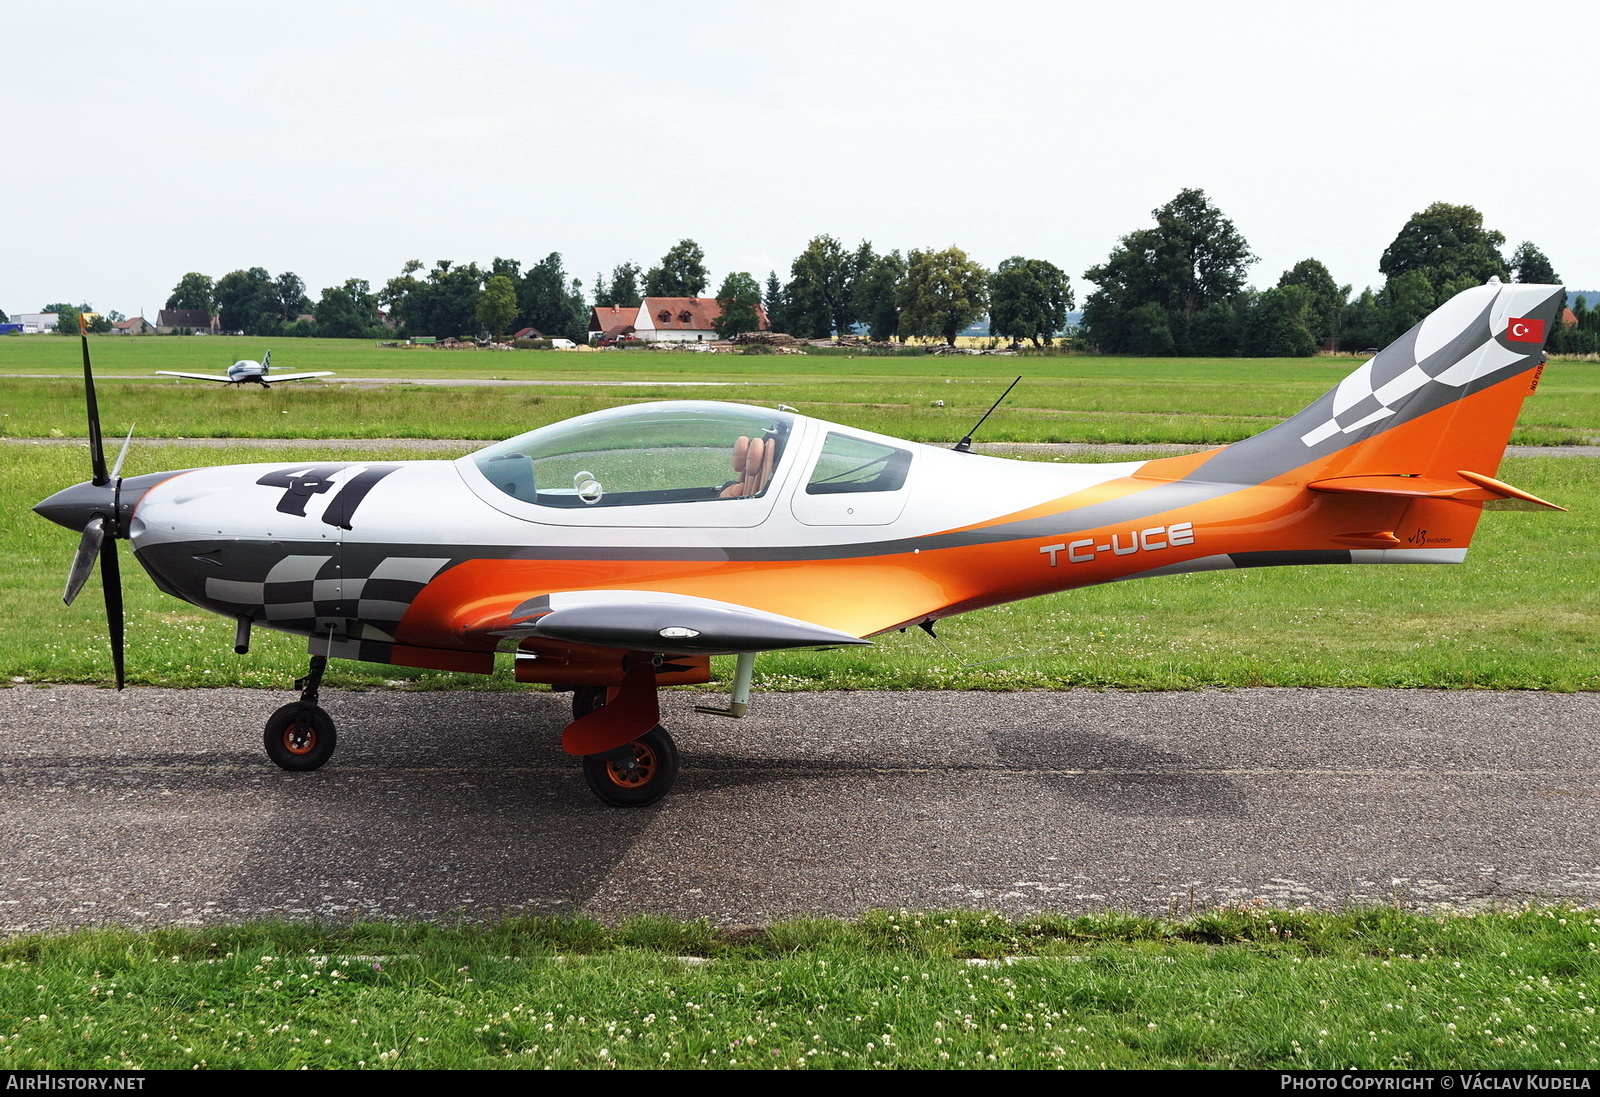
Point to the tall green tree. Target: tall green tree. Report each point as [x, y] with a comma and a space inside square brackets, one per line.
[740, 298]
[777, 304]
[1204, 256]
[396, 290]
[623, 292]
[1028, 299]
[248, 301]
[1406, 299]
[1529, 264]
[497, 305]
[942, 293]
[1192, 258]
[443, 303]
[193, 291]
[547, 300]
[1218, 328]
[349, 311]
[66, 316]
[1327, 297]
[820, 296]
[878, 296]
[1445, 244]
[292, 299]
[682, 272]
[1365, 324]
[1279, 325]
[1149, 331]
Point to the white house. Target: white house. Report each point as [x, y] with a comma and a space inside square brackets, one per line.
[681, 319]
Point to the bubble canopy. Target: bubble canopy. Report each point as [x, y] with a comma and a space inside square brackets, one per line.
[671, 452]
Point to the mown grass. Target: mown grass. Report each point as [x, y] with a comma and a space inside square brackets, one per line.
[1236, 988]
[1522, 613]
[1074, 399]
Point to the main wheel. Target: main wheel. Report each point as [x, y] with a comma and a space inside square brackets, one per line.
[300, 736]
[636, 773]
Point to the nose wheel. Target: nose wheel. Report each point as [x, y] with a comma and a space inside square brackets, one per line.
[300, 736]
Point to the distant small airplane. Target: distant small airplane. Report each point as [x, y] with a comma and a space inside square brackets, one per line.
[248, 372]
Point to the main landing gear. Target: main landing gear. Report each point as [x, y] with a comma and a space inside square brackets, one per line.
[301, 735]
[634, 774]
[628, 758]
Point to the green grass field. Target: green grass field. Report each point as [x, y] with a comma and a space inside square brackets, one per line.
[1358, 990]
[1069, 399]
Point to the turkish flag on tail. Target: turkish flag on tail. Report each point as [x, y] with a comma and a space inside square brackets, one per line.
[1524, 330]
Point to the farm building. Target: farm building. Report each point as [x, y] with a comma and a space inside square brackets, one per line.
[134, 325]
[193, 319]
[663, 320]
[606, 322]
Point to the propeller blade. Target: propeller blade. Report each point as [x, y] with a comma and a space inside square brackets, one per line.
[97, 450]
[83, 563]
[122, 455]
[111, 583]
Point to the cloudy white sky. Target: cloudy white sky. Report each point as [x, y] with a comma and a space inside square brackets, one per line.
[338, 140]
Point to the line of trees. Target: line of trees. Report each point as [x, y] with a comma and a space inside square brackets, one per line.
[1177, 288]
[924, 293]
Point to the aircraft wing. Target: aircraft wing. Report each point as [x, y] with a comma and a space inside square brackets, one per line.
[195, 376]
[274, 378]
[642, 620]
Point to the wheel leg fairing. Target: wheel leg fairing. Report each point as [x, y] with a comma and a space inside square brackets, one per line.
[631, 713]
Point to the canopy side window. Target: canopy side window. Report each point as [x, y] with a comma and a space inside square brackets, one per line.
[848, 465]
[641, 455]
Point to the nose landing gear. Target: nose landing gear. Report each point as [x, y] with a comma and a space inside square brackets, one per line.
[301, 735]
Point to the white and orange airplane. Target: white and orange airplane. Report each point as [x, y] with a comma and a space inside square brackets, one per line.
[614, 553]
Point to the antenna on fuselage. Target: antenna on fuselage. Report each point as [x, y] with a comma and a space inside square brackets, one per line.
[965, 445]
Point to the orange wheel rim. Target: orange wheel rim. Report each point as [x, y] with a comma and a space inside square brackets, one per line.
[641, 773]
[299, 738]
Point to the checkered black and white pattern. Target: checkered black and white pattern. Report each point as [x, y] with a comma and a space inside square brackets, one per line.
[1456, 345]
[310, 594]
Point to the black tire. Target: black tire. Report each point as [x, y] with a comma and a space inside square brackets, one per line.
[300, 736]
[636, 773]
[585, 699]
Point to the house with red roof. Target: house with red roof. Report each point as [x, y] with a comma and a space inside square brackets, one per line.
[663, 320]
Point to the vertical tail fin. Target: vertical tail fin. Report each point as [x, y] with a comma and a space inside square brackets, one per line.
[1441, 398]
[266, 362]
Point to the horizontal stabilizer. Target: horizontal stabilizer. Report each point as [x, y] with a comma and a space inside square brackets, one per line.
[638, 620]
[1471, 487]
[1509, 497]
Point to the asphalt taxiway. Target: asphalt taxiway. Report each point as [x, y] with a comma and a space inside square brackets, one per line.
[157, 806]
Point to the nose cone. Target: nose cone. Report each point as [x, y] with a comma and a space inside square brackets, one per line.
[74, 506]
